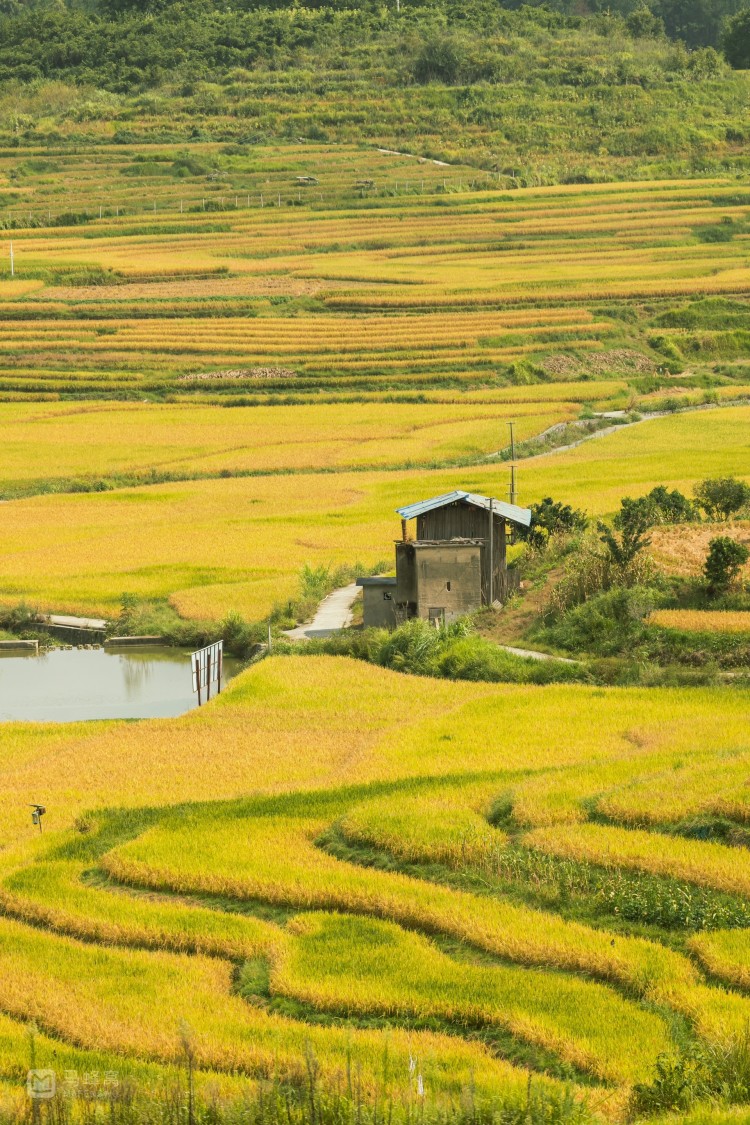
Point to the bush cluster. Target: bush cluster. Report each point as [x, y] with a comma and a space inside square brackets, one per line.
[452, 651]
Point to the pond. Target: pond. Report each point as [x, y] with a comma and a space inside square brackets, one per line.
[65, 685]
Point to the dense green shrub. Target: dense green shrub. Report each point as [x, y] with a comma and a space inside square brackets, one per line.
[659, 506]
[551, 517]
[589, 571]
[453, 651]
[605, 624]
[632, 522]
[735, 40]
[726, 557]
[722, 497]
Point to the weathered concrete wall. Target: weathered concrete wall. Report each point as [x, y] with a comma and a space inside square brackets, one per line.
[449, 578]
[133, 642]
[17, 645]
[379, 603]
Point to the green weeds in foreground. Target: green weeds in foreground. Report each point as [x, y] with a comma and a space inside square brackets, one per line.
[183, 1097]
[702, 1072]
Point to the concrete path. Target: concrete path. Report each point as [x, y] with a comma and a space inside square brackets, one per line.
[532, 654]
[333, 613]
[76, 622]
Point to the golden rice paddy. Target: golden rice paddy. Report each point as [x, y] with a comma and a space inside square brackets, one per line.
[702, 621]
[238, 544]
[224, 801]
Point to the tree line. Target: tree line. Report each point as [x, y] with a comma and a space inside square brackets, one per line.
[132, 44]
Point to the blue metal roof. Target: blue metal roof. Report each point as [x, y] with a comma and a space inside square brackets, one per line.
[510, 512]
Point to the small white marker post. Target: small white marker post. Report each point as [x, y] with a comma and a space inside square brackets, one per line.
[12, 263]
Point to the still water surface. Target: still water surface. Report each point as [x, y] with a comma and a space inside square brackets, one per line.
[64, 685]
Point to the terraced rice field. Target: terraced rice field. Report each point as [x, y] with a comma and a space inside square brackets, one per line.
[439, 892]
[460, 954]
[426, 276]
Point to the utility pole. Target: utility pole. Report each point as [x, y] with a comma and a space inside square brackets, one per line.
[491, 537]
[513, 494]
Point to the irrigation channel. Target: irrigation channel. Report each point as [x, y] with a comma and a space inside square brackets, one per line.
[66, 685]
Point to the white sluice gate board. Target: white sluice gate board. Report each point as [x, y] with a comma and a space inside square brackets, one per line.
[206, 665]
